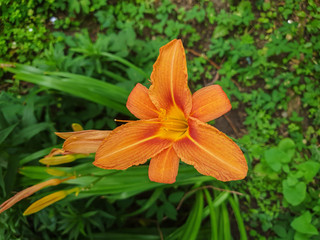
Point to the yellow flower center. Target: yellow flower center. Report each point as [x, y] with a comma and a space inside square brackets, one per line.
[174, 123]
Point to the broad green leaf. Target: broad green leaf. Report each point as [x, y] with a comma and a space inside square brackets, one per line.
[301, 236]
[175, 197]
[294, 194]
[309, 169]
[303, 224]
[280, 230]
[288, 146]
[291, 180]
[170, 210]
[274, 158]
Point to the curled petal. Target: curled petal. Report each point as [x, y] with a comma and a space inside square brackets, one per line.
[131, 144]
[85, 142]
[209, 103]
[211, 152]
[169, 79]
[163, 167]
[84, 146]
[85, 134]
[139, 103]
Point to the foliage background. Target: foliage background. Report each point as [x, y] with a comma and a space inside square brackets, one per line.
[79, 59]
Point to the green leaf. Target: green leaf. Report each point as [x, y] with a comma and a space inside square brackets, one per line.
[301, 236]
[225, 220]
[213, 216]
[36, 155]
[274, 157]
[119, 185]
[309, 169]
[28, 132]
[193, 224]
[81, 86]
[2, 185]
[303, 224]
[113, 57]
[220, 31]
[35, 172]
[280, 231]
[288, 146]
[83, 181]
[4, 133]
[236, 209]
[175, 197]
[222, 197]
[170, 210]
[148, 203]
[294, 194]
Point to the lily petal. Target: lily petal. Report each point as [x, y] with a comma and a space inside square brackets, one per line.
[169, 79]
[163, 167]
[85, 134]
[84, 146]
[139, 103]
[87, 141]
[209, 103]
[131, 144]
[211, 152]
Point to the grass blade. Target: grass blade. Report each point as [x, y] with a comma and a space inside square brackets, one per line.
[156, 194]
[226, 222]
[235, 207]
[81, 86]
[113, 57]
[193, 224]
[213, 218]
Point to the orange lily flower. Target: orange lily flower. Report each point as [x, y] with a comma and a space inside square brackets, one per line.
[173, 127]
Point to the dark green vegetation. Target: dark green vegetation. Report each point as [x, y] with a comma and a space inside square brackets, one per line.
[265, 55]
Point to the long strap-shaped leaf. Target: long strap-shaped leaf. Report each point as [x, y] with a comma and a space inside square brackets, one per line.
[81, 86]
[114, 58]
[193, 224]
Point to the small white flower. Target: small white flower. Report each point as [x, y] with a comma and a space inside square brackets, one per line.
[290, 21]
[53, 19]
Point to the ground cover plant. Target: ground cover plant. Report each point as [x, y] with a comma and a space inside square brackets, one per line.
[65, 62]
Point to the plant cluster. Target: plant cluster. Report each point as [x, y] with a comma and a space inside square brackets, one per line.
[84, 57]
